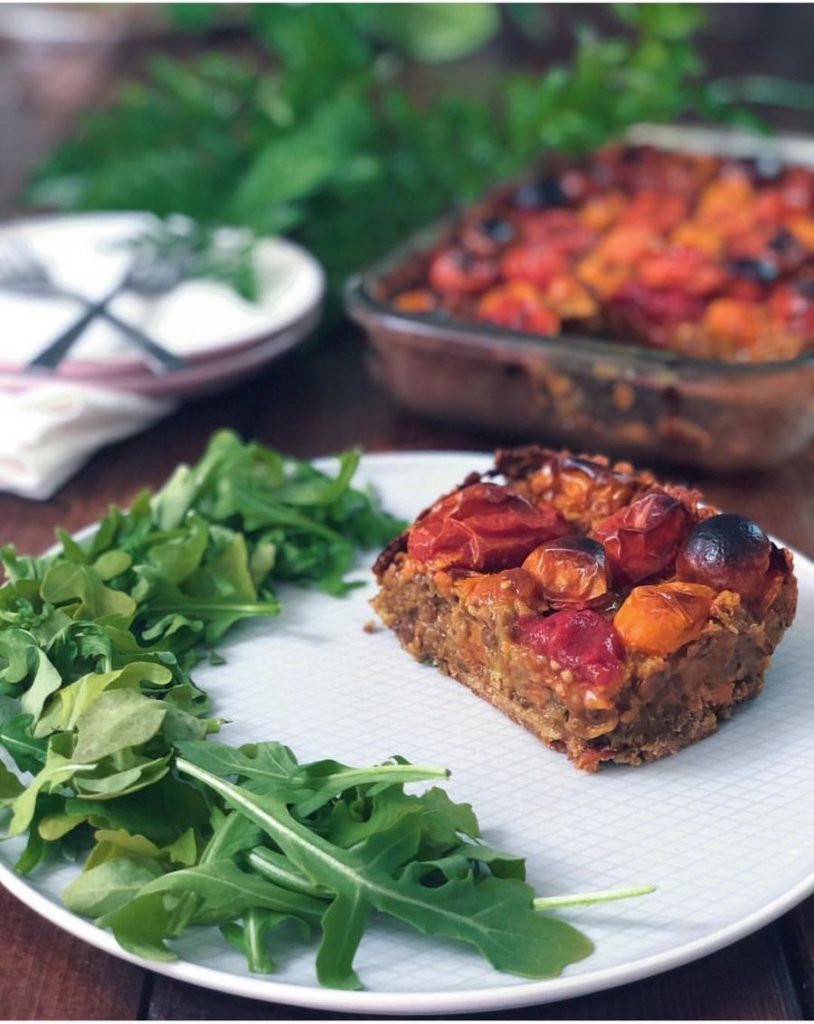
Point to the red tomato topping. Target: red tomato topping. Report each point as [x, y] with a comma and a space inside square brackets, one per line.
[681, 267]
[455, 270]
[558, 229]
[582, 642]
[642, 538]
[484, 527]
[537, 264]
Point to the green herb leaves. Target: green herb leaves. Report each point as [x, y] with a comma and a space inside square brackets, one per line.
[97, 640]
[108, 733]
[319, 124]
[383, 866]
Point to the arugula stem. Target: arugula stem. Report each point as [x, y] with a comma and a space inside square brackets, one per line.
[585, 899]
[277, 869]
[385, 773]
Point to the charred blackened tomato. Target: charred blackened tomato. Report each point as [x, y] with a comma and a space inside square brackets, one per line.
[726, 552]
[537, 195]
[458, 271]
[643, 538]
[484, 527]
[486, 236]
[580, 645]
[571, 571]
[659, 619]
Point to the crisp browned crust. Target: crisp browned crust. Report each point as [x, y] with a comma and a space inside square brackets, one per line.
[665, 703]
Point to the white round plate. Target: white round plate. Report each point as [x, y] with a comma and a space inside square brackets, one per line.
[200, 320]
[725, 829]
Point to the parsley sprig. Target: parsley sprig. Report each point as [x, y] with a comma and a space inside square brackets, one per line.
[317, 134]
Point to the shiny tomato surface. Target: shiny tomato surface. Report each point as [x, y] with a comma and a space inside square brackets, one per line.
[485, 527]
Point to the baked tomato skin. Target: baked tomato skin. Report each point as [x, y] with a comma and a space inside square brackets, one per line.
[571, 571]
[642, 539]
[660, 619]
[484, 527]
[582, 643]
[726, 552]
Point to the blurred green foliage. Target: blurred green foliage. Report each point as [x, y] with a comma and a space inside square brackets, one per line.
[319, 137]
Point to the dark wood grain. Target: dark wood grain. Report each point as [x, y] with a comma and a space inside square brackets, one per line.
[797, 929]
[46, 974]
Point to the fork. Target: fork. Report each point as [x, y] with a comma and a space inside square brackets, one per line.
[21, 271]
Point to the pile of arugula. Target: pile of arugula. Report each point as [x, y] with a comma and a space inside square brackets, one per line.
[108, 735]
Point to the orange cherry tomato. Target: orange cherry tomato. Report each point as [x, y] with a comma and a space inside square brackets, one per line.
[519, 306]
[659, 619]
[572, 572]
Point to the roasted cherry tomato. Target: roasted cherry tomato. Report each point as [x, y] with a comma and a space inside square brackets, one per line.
[691, 235]
[418, 300]
[658, 211]
[728, 204]
[792, 305]
[571, 571]
[727, 552]
[603, 276]
[642, 538]
[534, 264]
[683, 269]
[580, 487]
[581, 645]
[456, 270]
[627, 244]
[484, 527]
[652, 314]
[560, 230]
[659, 619]
[486, 236]
[569, 298]
[733, 325]
[602, 211]
[504, 587]
[519, 306]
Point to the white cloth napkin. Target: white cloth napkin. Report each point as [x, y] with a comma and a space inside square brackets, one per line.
[89, 255]
[49, 430]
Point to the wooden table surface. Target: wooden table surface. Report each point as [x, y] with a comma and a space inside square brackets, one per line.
[312, 402]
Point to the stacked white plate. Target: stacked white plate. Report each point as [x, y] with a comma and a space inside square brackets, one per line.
[221, 336]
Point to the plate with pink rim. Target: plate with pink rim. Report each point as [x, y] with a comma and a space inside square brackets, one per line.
[200, 320]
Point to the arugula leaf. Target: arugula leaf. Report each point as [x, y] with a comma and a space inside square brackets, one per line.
[249, 938]
[97, 642]
[110, 885]
[494, 914]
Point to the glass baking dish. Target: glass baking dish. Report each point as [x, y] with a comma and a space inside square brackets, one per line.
[585, 392]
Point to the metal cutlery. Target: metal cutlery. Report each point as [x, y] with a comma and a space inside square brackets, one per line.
[21, 271]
